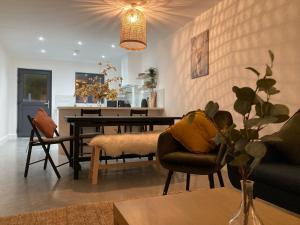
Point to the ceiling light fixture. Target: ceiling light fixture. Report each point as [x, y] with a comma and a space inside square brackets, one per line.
[79, 42]
[113, 46]
[41, 38]
[133, 35]
[43, 51]
[103, 57]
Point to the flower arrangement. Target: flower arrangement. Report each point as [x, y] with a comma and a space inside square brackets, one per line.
[82, 90]
[99, 90]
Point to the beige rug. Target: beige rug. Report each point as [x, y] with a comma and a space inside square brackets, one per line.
[87, 214]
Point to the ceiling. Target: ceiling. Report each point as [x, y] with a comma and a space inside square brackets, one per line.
[94, 22]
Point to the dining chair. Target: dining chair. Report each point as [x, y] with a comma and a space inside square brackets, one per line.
[138, 112]
[44, 133]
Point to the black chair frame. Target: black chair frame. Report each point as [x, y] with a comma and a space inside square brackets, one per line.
[46, 148]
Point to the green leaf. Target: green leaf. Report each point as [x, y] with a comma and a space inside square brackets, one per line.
[240, 160]
[245, 93]
[240, 145]
[269, 71]
[242, 107]
[258, 122]
[211, 109]
[258, 100]
[235, 135]
[263, 110]
[253, 70]
[223, 119]
[265, 84]
[282, 118]
[252, 134]
[273, 91]
[272, 57]
[279, 109]
[281, 112]
[256, 149]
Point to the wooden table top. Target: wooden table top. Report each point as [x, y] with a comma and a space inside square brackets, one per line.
[203, 207]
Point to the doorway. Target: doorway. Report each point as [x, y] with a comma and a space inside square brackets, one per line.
[34, 91]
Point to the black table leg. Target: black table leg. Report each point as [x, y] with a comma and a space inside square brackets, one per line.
[71, 146]
[76, 151]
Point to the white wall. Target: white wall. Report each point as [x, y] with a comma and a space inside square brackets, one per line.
[4, 61]
[63, 80]
[241, 32]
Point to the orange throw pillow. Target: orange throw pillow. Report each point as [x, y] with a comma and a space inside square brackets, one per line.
[44, 123]
[197, 137]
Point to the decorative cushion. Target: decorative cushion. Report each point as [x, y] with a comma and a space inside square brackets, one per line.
[44, 123]
[289, 147]
[197, 136]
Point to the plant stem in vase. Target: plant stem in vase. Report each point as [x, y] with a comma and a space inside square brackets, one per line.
[246, 214]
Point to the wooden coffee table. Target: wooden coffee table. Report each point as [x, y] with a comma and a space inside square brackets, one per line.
[203, 207]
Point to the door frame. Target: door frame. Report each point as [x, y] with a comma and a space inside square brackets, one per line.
[19, 100]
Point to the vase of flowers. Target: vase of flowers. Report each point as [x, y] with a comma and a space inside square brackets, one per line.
[98, 90]
[244, 146]
[82, 91]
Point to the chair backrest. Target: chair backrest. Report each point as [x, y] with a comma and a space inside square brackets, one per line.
[35, 131]
[141, 112]
[90, 112]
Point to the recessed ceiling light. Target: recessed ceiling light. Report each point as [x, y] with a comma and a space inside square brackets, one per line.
[103, 57]
[79, 42]
[43, 51]
[41, 38]
[76, 52]
[113, 46]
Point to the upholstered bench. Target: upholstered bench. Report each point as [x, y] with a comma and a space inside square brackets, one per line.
[121, 144]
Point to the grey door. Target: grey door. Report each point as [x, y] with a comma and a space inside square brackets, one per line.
[34, 91]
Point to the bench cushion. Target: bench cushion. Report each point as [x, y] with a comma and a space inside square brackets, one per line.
[133, 143]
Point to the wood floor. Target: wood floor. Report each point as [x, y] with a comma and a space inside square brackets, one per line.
[41, 189]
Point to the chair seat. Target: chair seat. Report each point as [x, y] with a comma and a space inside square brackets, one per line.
[54, 140]
[187, 162]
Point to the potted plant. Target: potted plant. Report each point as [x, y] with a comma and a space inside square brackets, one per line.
[150, 78]
[244, 146]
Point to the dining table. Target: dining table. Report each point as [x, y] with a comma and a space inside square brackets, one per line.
[77, 123]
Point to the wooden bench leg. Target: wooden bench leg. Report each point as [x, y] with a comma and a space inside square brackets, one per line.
[94, 169]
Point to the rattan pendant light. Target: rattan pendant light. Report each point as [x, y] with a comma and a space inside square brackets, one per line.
[133, 32]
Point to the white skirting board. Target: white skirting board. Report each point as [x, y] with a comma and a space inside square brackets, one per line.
[3, 139]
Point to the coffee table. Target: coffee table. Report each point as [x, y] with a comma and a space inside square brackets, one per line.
[203, 207]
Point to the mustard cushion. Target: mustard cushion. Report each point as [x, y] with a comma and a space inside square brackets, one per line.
[197, 136]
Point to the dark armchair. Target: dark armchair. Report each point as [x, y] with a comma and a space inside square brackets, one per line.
[176, 158]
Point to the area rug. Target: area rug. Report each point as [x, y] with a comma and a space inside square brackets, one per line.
[87, 214]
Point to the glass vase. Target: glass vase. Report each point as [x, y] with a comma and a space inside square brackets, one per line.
[246, 214]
